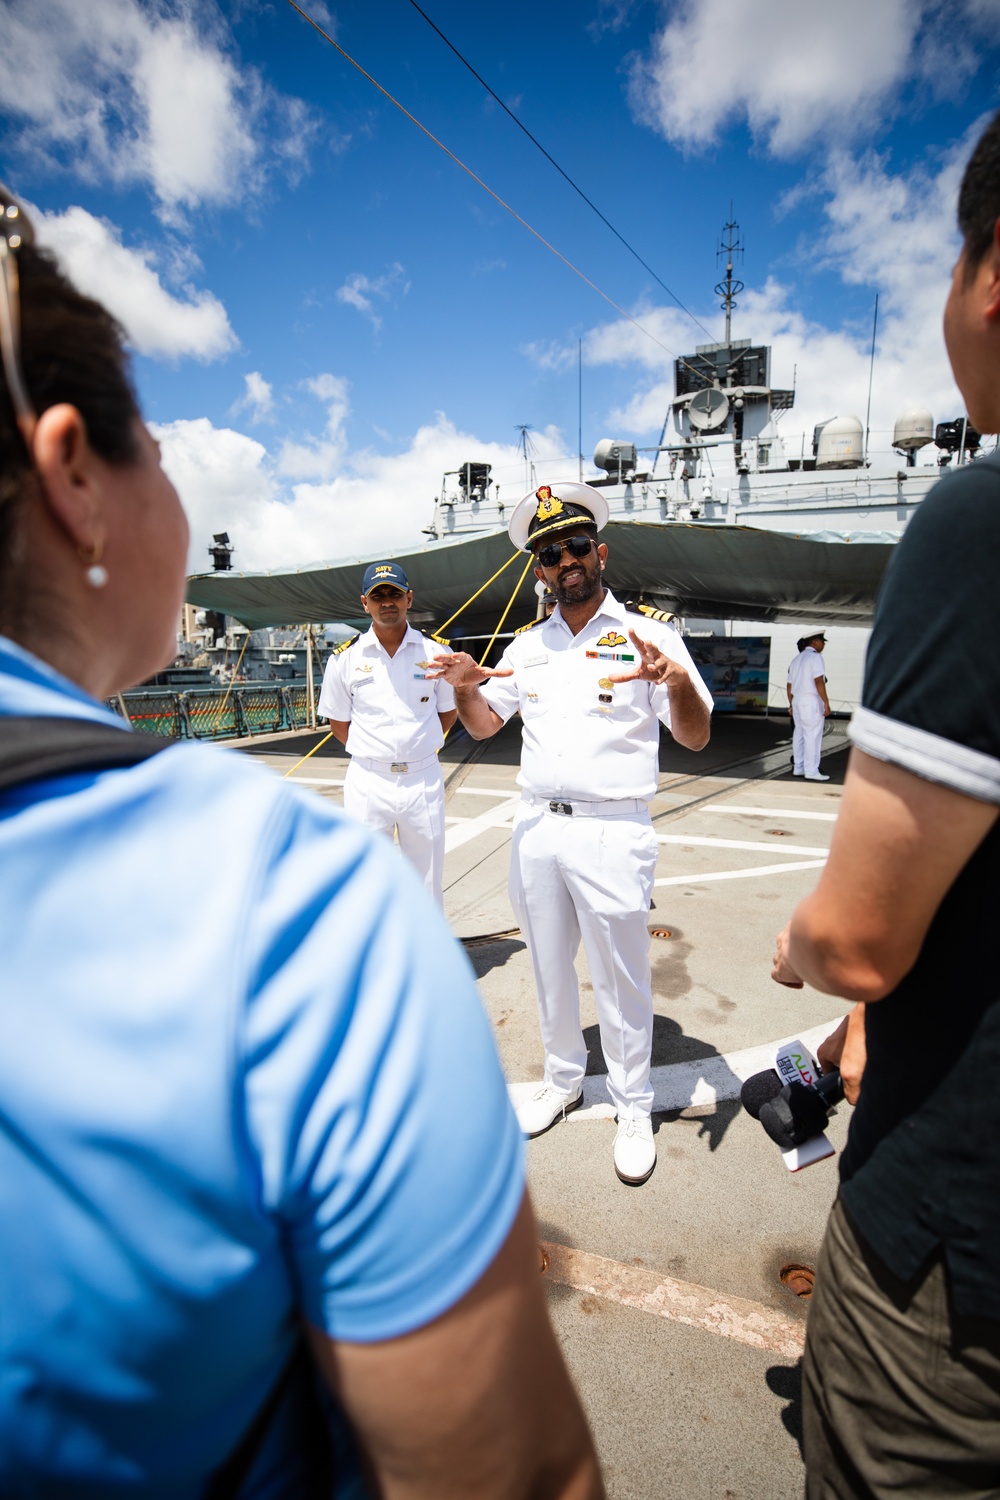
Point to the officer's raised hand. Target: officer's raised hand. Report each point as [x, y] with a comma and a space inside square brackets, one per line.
[463, 671]
[654, 665]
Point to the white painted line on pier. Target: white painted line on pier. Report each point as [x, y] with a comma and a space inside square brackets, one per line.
[769, 812]
[680, 1301]
[707, 843]
[703, 1082]
[795, 864]
[481, 791]
[495, 817]
[317, 780]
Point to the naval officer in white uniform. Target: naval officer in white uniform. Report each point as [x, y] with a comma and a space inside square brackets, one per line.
[809, 706]
[592, 684]
[393, 720]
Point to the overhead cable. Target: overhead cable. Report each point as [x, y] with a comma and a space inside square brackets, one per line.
[484, 185]
[562, 173]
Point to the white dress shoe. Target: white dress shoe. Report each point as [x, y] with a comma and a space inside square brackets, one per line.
[544, 1108]
[635, 1153]
[819, 777]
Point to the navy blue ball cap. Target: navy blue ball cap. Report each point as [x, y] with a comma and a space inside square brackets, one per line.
[386, 572]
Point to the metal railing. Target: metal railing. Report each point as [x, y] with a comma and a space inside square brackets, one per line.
[214, 713]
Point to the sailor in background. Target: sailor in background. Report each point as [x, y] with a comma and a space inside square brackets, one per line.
[393, 719]
[592, 684]
[808, 705]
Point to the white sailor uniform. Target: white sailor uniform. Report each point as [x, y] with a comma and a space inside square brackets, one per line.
[808, 710]
[394, 780]
[584, 851]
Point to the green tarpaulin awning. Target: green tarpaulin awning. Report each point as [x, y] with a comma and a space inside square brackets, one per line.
[717, 571]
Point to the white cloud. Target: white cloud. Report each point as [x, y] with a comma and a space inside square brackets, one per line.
[358, 291]
[231, 482]
[158, 323]
[320, 457]
[257, 398]
[121, 91]
[796, 69]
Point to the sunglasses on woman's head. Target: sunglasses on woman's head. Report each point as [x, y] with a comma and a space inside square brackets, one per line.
[577, 546]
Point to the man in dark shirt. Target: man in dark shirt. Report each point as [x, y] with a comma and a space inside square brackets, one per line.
[902, 1370]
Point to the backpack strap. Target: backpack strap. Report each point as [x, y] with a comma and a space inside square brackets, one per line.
[33, 748]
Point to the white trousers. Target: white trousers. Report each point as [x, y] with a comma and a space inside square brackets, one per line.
[807, 734]
[412, 806]
[589, 877]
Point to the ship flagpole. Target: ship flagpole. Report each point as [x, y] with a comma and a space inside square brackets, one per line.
[871, 373]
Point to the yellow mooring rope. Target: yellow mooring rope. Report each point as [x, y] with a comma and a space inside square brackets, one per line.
[462, 607]
[510, 605]
[315, 747]
[218, 717]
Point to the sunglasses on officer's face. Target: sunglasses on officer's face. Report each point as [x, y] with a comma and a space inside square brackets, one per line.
[577, 546]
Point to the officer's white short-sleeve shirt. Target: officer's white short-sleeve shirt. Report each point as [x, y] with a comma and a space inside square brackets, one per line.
[583, 739]
[392, 705]
[803, 671]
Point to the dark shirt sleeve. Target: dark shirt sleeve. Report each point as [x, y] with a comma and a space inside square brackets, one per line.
[931, 699]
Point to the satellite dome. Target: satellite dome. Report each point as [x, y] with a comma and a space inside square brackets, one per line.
[914, 428]
[839, 443]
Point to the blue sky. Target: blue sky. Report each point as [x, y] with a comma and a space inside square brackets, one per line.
[327, 312]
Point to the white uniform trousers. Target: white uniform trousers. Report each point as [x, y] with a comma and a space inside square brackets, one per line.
[411, 804]
[573, 876]
[807, 734]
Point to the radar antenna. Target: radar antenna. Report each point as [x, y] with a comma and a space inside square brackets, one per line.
[729, 289]
[526, 448]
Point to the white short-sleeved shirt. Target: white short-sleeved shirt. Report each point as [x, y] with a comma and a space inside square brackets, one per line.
[803, 672]
[392, 705]
[583, 740]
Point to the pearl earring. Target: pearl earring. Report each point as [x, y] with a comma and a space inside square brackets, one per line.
[95, 572]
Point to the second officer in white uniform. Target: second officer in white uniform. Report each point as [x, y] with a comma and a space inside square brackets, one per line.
[809, 706]
[592, 692]
[393, 720]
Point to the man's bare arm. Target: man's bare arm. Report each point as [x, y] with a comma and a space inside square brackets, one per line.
[339, 728]
[690, 719]
[465, 675]
[478, 1403]
[898, 846]
[447, 719]
[847, 1049]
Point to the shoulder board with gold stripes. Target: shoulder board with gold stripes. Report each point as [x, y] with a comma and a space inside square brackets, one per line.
[654, 614]
[344, 644]
[530, 626]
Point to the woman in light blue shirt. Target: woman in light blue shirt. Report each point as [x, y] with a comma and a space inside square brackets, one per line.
[231, 1031]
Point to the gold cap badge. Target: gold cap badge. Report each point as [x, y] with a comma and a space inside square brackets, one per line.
[548, 505]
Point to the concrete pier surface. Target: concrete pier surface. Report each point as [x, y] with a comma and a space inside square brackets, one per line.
[667, 1298]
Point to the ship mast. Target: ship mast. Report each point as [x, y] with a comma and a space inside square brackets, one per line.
[729, 289]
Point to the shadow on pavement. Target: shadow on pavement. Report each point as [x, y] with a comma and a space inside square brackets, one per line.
[487, 956]
[672, 1045]
[786, 1381]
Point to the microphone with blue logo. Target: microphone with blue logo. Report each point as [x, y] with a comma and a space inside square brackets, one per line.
[794, 1101]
